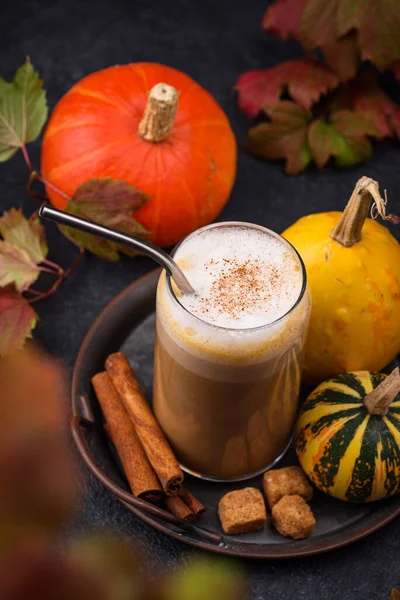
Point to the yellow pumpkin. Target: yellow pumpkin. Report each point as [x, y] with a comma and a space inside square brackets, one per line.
[348, 436]
[353, 269]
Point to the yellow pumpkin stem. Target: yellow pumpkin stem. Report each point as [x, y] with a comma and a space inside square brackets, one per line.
[377, 402]
[348, 231]
[159, 115]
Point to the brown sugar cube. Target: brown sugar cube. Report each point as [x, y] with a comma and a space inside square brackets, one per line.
[293, 517]
[242, 511]
[286, 482]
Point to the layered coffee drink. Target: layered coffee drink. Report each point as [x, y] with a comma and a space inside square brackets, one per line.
[228, 358]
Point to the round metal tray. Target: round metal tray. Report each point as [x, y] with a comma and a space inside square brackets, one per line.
[128, 324]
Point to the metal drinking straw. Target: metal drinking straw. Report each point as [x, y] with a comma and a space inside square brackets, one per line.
[147, 248]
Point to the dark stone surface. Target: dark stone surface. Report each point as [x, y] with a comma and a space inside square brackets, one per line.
[213, 42]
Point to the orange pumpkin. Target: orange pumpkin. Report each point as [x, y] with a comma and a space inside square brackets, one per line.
[183, 154]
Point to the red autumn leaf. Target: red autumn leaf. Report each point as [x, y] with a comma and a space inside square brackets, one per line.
[382, 111]
[395, 594]
[108, 202]
[304, 78]
[343, 56]
[344, 138]
[377, 24]
[17, 319]
[318, 30]
[284, 137]
[366, 98]
[282, 18]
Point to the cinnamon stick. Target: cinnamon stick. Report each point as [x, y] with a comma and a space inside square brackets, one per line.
[177, 506]
[108, 433]
[185, 506]
[139, 472]
[195, 505]
[154, 442]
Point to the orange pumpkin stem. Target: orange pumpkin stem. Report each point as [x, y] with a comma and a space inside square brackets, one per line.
[348, 231]
[159, 115]
[377, 402]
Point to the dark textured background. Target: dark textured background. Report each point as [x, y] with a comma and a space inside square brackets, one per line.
[213, 42]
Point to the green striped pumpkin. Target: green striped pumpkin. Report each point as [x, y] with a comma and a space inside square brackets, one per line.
[346, 451]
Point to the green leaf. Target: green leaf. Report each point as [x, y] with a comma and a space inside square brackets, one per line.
[108, 202]
[344, 138]
[284, 137]
[324, 141]
[26, 235]
[16, 267]
[17, 320]
[23, 110]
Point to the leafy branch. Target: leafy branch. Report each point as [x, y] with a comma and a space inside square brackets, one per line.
[318, 110]
[23, 257]
[23, 247]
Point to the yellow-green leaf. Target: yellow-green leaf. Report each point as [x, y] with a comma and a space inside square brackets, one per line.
[23, 110]
[16, 267]
[24, 234]
[344, 138]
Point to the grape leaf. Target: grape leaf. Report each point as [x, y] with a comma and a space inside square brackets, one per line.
[377, 24]
[318, 30]
[16, 267]
[366, 98]
[23, 110]
[284, 137]
[304, 78]
[344, 138]
[370, 101]
[343, 56]
[108, 202]
[282, 18]
[17, 319]
[26, 235]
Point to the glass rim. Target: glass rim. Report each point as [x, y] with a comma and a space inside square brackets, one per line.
[245, 225]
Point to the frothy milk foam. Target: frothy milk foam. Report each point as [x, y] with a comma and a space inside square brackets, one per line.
[243, 277]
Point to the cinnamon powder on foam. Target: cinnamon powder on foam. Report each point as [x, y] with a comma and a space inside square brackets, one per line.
[239, 287]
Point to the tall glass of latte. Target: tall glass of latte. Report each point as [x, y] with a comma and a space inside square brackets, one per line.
[228, 358]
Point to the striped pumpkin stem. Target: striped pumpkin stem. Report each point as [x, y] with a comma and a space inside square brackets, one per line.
[160, 112]
[348, 231]
[378, 401]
